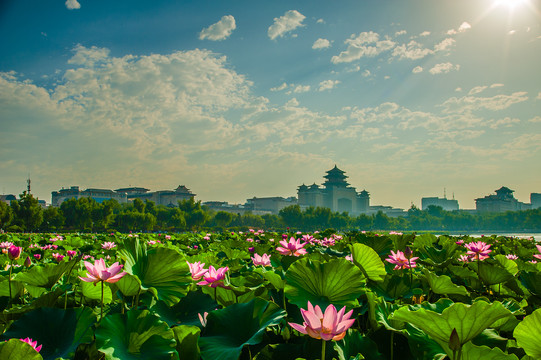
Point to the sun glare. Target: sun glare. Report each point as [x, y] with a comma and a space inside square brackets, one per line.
[511, 4]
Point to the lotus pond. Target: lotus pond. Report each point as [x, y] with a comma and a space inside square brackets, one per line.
[263, 295]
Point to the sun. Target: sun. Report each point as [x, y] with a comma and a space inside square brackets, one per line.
[511, 4]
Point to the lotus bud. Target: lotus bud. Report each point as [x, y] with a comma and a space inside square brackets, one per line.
[14, 252]
[28, 262]
[454, 341]
[408, 253]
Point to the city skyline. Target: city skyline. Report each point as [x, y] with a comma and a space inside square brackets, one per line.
[245, 99]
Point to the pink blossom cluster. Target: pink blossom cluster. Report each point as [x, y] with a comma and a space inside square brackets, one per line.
[212, 277]
[328, 325]
[263, 260]
[538, 256]
[478, 250]
[108, 245]
[56, 238]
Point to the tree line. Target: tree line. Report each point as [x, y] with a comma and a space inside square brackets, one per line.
[86, 214]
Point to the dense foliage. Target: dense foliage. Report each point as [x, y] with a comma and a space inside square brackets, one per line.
[85, 214]
[238, 295]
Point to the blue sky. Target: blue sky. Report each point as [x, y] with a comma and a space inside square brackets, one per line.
[236, 99]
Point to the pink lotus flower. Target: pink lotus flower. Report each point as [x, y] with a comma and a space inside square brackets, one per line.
[538, 256]
[400, 260]
[32, 343]
[213, 277]
[167, 237]
[478, 250]
[203, 319]
[99, 272]
[71, 253]
[6, 245]
[263, 260]
[291, 248]
[349, 257]
[197, 269]
[460, 242]
[331, 325]
[512, 257]
[14, 252]
[108, 245]
[464, 258]
[58, 257]
[37, 256]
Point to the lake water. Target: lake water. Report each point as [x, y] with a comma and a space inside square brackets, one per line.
[536, 236]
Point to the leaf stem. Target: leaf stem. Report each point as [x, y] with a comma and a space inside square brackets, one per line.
[323, 349]
[101, 307]
[9, 280]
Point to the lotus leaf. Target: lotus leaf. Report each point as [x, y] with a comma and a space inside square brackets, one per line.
[443, 284]
[336, 282]
[528, 334]
[229, 330]
[135, 335]
[16, 349]
[369, 262]
[59, 331]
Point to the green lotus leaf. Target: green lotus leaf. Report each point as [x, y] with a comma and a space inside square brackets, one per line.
[474, 352]
[336, 282]
[439, 251]
[369, 262]
[186, 311]
[353, 344]
[230, 329]
[491, 272]
[17, 288]
[93, 292]
[438, 306]
[383, 310]
[46, 300]
[532, 281]
[129, 285]
[381, 244]
[226, 297]
[422, 346]
[135, 335]
[272, 277]
[443, 284]
[16, 349]
[59, 331]
[187, 337]
[528, 334]
[468, 320]
[508, 264]
[162, 271]
[394, 286]
[45, 275]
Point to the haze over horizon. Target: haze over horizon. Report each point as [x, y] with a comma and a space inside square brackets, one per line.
[243, 99]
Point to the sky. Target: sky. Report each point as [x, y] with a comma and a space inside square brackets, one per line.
[244, 98]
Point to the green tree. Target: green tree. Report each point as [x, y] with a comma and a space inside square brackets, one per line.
[53, 219]
[5, 215]
[292, 216]
[27, 212]
[223, 218]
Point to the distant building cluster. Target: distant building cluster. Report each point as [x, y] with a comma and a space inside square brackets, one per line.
[335, 193]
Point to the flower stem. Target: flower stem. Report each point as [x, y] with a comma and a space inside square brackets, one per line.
[323, 349]
[101, 307]
[9, 280]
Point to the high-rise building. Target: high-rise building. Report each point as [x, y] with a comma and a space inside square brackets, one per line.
[535, 200]
[75, 193]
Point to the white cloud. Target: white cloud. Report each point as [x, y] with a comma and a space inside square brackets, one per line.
[536, 119]
[328, 84]
[413, 51]
[424, 33]
[320, 21]
[366, 73]
[364, 44]
[477, 90]
[88, 56]
[505, 122]
[512, 32]
[220, 30]
[279, 88]
[538, 96]
[458, 89]
[468, 104]
[496, 85]
[72, 4]
[321, 44]
[417, 70]
[444, 44]
[386, 77]
[443, 68]
[288, 22]
[465, 26]
[401, 32]
[301, 89]
[292, 103]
